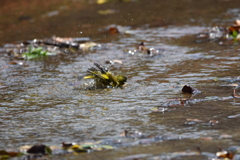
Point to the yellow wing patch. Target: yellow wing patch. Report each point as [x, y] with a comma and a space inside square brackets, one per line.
[105, 76]
[88, 77]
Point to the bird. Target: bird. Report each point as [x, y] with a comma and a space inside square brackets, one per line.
[104, 78]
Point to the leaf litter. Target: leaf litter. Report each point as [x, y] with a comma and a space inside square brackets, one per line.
[38, 48]
[229, 35]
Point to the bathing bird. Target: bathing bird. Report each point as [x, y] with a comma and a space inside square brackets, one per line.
[103, 78]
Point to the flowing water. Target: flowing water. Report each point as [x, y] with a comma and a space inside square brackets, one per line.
[40, 103]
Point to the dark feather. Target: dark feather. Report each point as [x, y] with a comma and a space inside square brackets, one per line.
[101, 68]
[92, 69]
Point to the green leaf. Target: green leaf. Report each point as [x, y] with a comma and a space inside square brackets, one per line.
[234, 34]
[107, 147]
[36, 52]
[5, 157]
[48, 150]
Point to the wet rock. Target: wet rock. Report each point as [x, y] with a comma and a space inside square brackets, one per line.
[189, 89]
[24, 18]
[39, 149]
[217, 32]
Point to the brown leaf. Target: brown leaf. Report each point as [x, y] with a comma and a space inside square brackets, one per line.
[60, 39]
[13, 152]
[213, 122]
[225, 136]
[236, 22]
[13, 63]
[225, 154]
[113, 30]
[207, 138]
[194, 120]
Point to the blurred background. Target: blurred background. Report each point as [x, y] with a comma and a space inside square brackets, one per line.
[24, 20]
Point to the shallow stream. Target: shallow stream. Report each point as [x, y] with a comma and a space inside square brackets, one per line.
[40, 100]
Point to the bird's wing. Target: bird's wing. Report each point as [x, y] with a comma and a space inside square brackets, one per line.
[112, 78]
[101, 68]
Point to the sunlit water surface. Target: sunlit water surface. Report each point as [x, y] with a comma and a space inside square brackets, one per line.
[42, 101]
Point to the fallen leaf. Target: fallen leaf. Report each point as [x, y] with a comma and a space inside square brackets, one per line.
[114, 61]
[233, 85]
[215, 79]
[236, 22]
[213, 122]
[106, 12]
[13, 152]
[206, 138]
[194, 120]
[159, 109]
[113, 30]
[225, 154]
[101, 1]
[117, 61]
[225, 136]
[60, 39]
[13, 63]
[88, 46]
[101, 147]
